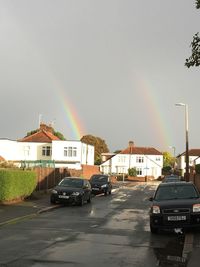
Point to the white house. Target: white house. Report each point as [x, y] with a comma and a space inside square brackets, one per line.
[194, 158]
[46, 147]
[147, 160]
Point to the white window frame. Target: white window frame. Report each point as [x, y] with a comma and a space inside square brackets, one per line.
[140, 159]
[46, 151]
[70, 151]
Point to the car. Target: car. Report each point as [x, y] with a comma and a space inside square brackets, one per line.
[101, 184]
[74, 190]
[175, 205]
[171, 178]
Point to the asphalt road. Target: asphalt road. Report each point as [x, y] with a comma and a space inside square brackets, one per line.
[111, 231]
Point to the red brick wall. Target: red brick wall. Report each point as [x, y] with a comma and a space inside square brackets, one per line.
[89, 170]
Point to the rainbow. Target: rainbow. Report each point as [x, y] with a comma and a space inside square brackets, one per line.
[73, 121]
[150, 98]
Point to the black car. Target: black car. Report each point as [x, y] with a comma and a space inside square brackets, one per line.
[101, 184]
[72, 190]
[171, 178]
[175, 205]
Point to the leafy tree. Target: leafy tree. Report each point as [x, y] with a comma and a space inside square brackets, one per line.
[168, 159]
[99, 144]
[194, 59]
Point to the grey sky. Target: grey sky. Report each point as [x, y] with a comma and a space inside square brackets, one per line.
[120, 63]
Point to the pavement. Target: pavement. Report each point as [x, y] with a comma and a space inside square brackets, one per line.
[38, 203]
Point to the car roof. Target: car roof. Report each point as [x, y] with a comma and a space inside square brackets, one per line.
[176, 183]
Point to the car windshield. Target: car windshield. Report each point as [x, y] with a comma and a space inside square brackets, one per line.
[176, 192]
[69, 182]
[99, 178]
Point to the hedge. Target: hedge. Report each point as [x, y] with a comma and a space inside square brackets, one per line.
[16, 184]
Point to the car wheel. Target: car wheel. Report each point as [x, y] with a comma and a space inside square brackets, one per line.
[105, 193]
[154, 230]
[81, 201]
[52, 201]
[110, 192]
[89, 199]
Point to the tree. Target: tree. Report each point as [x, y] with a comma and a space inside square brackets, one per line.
[194, 59]
[99, 144]
[168, 159]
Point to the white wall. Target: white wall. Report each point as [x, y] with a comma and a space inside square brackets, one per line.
[151, 165]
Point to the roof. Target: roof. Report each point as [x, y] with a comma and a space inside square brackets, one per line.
[41, 137]
[192, 152]
[141, 151]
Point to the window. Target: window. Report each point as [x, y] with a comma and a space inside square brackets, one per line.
[121, 159]
[139, 171]
[70, 151]
[157, 158]
[139, 159]
[46, 151]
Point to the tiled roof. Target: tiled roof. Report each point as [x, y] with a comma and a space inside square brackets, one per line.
[141, 150]
[40, 137]
[192, 152]
[2, 159]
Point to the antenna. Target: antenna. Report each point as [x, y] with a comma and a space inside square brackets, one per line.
[40, 119]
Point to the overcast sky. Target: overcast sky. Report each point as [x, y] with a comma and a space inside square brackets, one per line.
[117, 64]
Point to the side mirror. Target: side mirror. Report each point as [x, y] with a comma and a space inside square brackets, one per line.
[151, 199]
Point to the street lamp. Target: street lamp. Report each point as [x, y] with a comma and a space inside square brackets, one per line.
[174, 150]
[186, 140]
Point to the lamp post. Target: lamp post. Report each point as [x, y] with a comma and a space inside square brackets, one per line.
[186, 140]
[174, 150]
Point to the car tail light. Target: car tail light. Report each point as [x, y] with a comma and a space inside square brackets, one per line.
[155, 209]
[196, 208]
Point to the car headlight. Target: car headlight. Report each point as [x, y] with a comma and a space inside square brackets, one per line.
[54, 191]
[196, 208]
[104, 185]
[75, 194]
[155, 209]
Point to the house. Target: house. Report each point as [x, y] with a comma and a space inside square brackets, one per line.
[194, 158]
[43, 147]
[147, 160]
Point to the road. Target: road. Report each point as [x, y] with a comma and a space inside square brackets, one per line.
[111, 231]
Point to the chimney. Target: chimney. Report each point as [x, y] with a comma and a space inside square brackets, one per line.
[131, 146]
[46, 128]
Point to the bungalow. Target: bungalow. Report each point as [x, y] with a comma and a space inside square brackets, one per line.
[147, 160]
[44, 146]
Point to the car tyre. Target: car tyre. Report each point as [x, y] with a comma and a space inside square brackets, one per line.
[52, 201]
[110, 192]
[154, 230]
[89, 199]
[81, 201]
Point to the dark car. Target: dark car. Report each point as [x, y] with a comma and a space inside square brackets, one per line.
[101, 184]
[175, 205]
[171, 178]
[72, 190]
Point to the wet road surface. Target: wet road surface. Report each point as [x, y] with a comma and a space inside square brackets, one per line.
[111, 231]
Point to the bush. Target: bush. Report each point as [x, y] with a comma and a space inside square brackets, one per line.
[132, 172]
[16, 184]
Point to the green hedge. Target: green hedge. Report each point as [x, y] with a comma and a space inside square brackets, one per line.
[15, 184]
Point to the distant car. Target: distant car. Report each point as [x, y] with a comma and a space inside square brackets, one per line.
[175, 205]
[72, 190]
[101, 184]
[171, 178]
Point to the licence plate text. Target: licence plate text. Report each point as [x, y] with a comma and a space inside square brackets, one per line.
[176, 218]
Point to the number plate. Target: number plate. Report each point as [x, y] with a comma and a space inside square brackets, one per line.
[176, 218]
[66, 197]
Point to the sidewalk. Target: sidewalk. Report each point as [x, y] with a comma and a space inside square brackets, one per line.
[25, 209]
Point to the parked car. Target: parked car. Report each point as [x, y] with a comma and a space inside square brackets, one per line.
[101, 184]
[175, 205]
[171, 178]
[72, 190]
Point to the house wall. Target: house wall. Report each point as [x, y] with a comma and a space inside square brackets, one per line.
[181, 165]
[150, 165]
